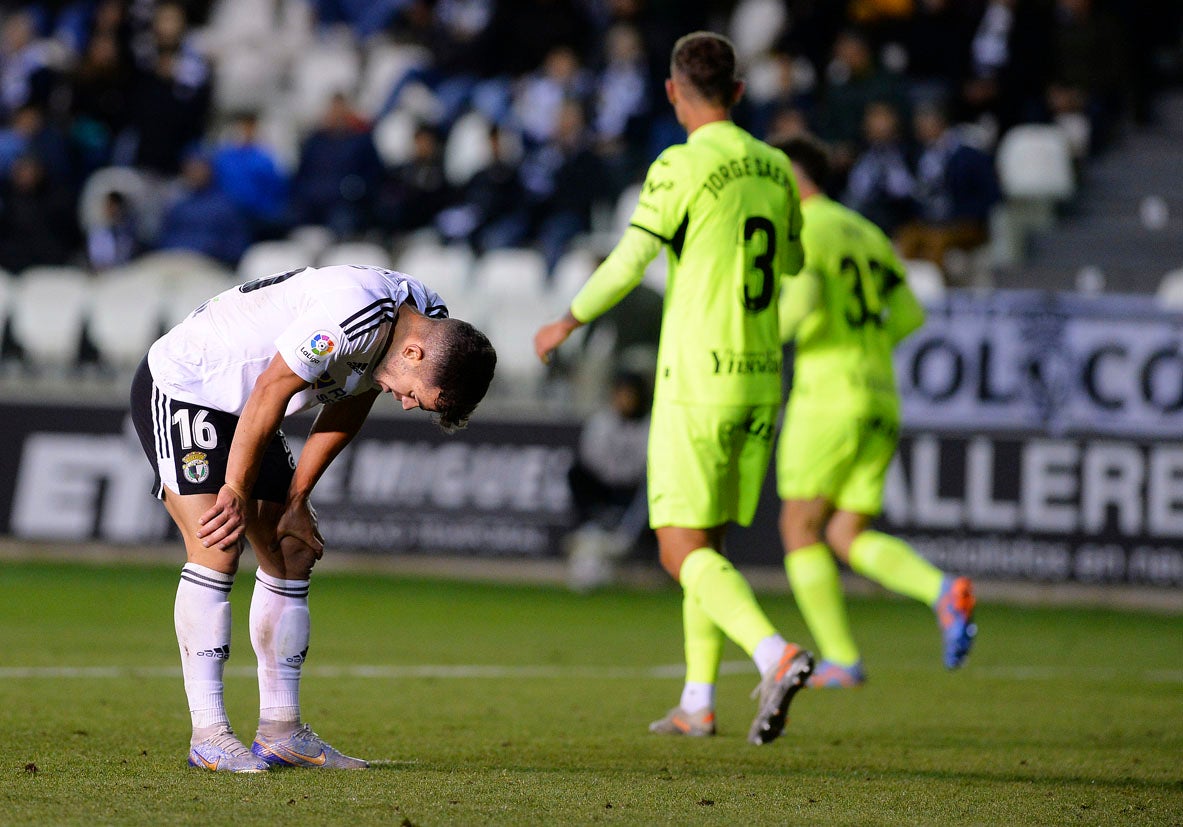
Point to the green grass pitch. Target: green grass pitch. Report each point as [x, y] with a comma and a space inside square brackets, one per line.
[493, 704]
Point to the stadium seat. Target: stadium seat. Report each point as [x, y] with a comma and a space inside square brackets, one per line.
[48, 313]
[1035, 163]
[510, 327]
[313, 238]
[265, 258]
[626, 203]
[394, 137]
[133, 184]
[179, 264]
[755, 26]
[445, 269]
[329, 67]
[187, 291]
[125, 316]
[384, 64]
[926, 280]
[356, 252]
[515, 273]
[1169, 294]
[570, 274]
[467, 150]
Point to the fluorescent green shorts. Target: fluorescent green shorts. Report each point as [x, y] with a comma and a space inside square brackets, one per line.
[707, 463]
[843, 459]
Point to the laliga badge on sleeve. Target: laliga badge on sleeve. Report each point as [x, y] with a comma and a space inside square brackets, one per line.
[316, 348]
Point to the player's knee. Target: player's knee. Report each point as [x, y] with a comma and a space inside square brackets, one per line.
[671, 561]
[298, 558]
[839, 537]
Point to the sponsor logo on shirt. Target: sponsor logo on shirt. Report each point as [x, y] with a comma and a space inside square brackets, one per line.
[358, 367]
[195, 467]
[316, 348]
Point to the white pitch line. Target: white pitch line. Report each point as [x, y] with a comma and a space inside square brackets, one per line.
[527, 672]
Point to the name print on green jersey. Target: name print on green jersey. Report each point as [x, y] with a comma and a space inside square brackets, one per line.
[743, 167]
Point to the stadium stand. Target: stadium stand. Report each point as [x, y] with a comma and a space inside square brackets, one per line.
[1088, 160]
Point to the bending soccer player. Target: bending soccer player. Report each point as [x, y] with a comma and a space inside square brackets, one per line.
[207, 403]
[725, 207]
[847, 308]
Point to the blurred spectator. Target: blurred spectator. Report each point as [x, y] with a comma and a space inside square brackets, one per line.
[100, 94]
[880, 185]
[491, 211]
[621, 87]
[334, 182]
[853, 79]
[37, 218]
[524, 32]
[540, 96]
[563, 179]
[1009, 63]
[787, 122]
[778, 83]
[1090, 68]
[609, 468]
[607, 482]
[365, 17]
[169, 114]
[25, 73]
[956, 187]
[202, 218]
[414, 192]
[28, 133]
[113, 241]
[172, 94]
[936, 40]
[249, 174]
[455, 37]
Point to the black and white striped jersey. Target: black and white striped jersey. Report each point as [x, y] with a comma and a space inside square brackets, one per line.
[330, 324]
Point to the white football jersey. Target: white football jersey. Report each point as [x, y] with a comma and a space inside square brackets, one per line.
[330, 324]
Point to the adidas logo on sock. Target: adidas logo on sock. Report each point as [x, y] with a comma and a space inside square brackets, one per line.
[296, 660]
[219, 652]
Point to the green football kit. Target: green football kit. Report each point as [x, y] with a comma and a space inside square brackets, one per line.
[725, 207]
[846, 310]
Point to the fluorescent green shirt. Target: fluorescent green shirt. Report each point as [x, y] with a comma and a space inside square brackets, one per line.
[726, 208]
[847, 309]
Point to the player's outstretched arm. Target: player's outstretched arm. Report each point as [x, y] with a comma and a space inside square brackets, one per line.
[222, 526]
[614, 279]
[550, 336]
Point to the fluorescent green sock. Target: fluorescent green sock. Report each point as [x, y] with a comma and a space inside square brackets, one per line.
[894, 564]
[813, 574]
[725, 597]
[703, 641]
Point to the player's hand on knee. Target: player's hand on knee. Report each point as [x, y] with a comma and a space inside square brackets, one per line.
[224, 524]
[299, 523]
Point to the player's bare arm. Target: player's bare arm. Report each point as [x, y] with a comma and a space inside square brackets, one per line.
[222, 526]
[620, 273]
[552, 335]
[335, 427]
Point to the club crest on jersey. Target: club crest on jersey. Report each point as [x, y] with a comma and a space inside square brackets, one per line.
[195, 467]
[316, 348]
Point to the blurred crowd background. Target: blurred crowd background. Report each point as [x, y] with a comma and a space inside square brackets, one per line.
[493, 148]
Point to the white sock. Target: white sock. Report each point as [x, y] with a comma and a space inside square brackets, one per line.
[697, 696]
[280, 627]
[202, 618]
[768, 652]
